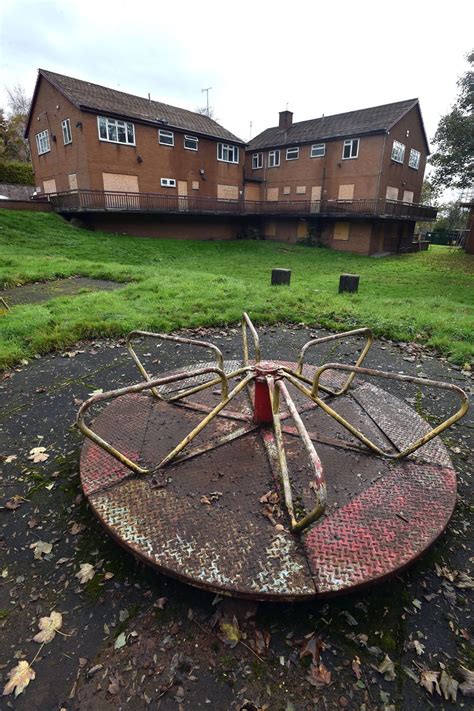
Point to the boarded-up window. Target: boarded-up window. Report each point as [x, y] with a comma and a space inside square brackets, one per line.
[300, 189]
[272, 194]
[341, 230]
[195, 185]
[227, 192]
[72, 181]
[252, 193]
[392, 193]
[270, 229]
[316, 193]
[408, 196]
[49, 186]
[302, 229]
[287, 190]
[117, 183]
[346, 192]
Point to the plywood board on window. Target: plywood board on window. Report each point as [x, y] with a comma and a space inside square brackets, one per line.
[346, 192]
[302, 229]
[392, 193]
[341, 230]
[315, 193]
[227, 192]
[272, 194]
[252, 193]
[270, 229]
[72, 181]
[300, 189]
[408, 195]
[49, 186]
[118, 183]
[195, 185]
[287, 190]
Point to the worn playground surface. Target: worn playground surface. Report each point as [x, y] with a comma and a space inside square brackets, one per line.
[135, 638]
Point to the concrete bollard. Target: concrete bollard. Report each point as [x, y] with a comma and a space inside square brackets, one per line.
[281, 276]
[349, 282]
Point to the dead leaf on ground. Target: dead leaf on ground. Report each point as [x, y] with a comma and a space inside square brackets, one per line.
[387, 668]
[312, 646]
[86, 573]
[319, 676]
[38, 454]
[230, 632]
[260, 642]
[77, 528]
[448, 685]
[114, 684]
[429, 680]
[10, 458]
[41, 548]
[356, 667]
[467, 686]
[20, 676]
[15, 502]
[48, 626]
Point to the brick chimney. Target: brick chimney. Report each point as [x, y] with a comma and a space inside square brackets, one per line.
[286, 119]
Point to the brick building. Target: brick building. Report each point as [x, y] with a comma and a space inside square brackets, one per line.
[130, 164]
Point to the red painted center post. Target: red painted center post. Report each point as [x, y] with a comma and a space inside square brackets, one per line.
[262, 406]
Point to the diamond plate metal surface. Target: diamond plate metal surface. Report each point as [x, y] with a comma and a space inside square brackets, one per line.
[381, 515]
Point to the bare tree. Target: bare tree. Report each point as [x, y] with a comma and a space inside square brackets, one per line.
[15, 146]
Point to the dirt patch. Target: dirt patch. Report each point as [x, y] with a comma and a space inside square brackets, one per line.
[44, 291]
[136, 639]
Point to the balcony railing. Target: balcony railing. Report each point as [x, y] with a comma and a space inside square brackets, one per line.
[99, 200]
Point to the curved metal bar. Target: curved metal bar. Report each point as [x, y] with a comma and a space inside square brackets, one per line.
[2, 301]
[336, 337]
[244, 323]
[209, 383]
[112, 394]
[168, 337]
[319, 487]
[401, 378]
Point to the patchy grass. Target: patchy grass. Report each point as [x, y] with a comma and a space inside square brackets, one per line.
[424, 297]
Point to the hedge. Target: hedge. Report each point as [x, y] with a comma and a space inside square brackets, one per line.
[12, 171]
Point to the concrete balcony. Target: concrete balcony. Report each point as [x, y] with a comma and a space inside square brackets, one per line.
[92, 201]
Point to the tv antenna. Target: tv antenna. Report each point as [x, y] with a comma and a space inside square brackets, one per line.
[207, 90]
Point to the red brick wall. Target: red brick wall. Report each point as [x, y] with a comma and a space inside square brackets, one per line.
[165, 227]
[30, 205]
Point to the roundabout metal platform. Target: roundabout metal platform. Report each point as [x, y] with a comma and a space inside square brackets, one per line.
[268, 480]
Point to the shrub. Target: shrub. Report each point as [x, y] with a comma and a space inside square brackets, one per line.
[12, 171]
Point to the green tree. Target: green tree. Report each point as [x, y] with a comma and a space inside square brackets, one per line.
[451, 216]
[453, 160]
[13, 145]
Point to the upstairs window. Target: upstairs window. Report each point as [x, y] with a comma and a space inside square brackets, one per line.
[292, 153]
[166, 138]
[351, 148]
[168, 182]
[42, 142]
[66, 129]
[318, 150]
[274, 159]
[398, 152]
[115, 131]
[257, 161]
[191, 143]
[414, 159]
[227, 153]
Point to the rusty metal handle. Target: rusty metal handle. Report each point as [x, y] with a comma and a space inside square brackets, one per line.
[390, 376]
[337, 337]
[168, 337]
[140, 387]
[247, 322]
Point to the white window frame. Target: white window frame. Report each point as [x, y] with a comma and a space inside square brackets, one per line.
[165, 137]
[398, 152]
[292, 150]
[116, 123]
[66, 129]
[273, 158]
[350, 142]
[42, 142]
[191, 139]
[168, 183]
[414, 159]
[227, 153]
[257, 161]
[315, 147]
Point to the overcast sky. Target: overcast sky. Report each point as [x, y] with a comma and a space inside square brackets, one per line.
[259, 57]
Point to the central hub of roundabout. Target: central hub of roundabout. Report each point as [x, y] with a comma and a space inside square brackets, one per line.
[265, 479]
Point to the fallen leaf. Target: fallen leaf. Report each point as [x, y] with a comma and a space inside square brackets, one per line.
[161, 602]
[20, 676]
[121, 641]
[467, 687]
[230, 632]
[10, 458]
[418, 647]
[313, 646]
[318, 675]
[41, 548]
[448, 685]
[76, 528]
[465, 582]
[387, 668]
[38, 454]
[15, 502]
[114, 684]
[108, 575]
[429, 680]
[96, 392]
[86, 573]
[260, 643]
[356, 667]
[48, 626]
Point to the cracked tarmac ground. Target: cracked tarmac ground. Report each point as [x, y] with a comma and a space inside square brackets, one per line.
[132, 638]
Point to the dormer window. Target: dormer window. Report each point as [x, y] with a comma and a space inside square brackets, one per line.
[116, 131]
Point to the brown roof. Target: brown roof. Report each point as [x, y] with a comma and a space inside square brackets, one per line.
[378, 119]
[101, 99]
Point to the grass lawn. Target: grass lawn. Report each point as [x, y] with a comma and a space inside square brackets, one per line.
[426, 297]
